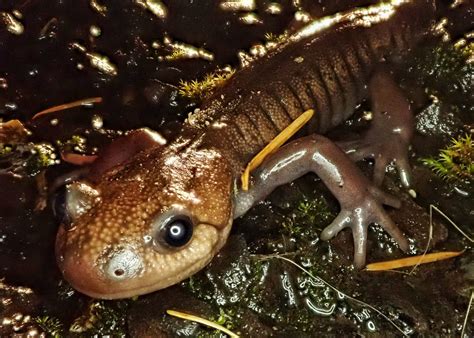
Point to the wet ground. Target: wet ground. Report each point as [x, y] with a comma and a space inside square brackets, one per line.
[47, 55]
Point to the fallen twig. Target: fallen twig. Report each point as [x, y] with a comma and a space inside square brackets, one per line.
[68, 106]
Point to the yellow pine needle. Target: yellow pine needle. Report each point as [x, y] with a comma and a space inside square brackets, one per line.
[411, 261]
[202, 321]
[274, 144]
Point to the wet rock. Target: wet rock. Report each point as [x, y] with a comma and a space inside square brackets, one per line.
[438, 120]
[147, 316]
[468, 267]
[414, 220]
[21, 195]
[18, 305]
[446, 197]
[156, 92]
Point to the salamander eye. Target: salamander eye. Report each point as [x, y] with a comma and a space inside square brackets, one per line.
[73, 200]
[177, 232]
[60, 207]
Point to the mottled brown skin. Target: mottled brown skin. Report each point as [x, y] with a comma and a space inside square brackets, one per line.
[112, 247]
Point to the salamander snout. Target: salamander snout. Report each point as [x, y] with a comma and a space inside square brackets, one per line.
[108, 273]
[122, 265]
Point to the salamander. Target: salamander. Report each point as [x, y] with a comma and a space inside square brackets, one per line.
[150, 213]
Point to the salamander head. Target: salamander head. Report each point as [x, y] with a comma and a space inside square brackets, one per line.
[147, 224]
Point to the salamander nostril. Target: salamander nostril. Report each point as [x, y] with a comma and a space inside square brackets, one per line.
[119, 272]
[122, 265]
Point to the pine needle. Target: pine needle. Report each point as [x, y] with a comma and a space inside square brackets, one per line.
[274, 144]
[470, 239]
[412, 261]
[69, 105]
[430, 237]
[464, 325]
[202, 321]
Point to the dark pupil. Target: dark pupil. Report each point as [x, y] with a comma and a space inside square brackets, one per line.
[178, 232]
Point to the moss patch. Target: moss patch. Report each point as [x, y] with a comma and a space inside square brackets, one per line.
[456, 162]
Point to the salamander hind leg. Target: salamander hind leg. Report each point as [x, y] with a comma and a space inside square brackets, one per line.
[360, 200]
[389, 136]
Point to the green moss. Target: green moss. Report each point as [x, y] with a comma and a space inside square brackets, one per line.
[5, 149]
[102, 318]
[50, 325]
[307, 218]
[316, 210]
[226, 318]
[292, 228]
[76, 144]
[27, 159]
[196, 89]
[200, 287]
[42, 155]
[456, 162]
[275, 39]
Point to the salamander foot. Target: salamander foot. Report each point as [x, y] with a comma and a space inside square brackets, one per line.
[384, 151]
[358, 214]
[390, 134]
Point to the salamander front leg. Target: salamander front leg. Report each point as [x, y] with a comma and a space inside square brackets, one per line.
[360, 200]
[389, 136]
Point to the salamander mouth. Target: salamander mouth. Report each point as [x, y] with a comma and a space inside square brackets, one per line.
[145, 289]
[85, 278]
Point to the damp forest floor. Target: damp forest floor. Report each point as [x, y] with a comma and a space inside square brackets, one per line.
[70, 50]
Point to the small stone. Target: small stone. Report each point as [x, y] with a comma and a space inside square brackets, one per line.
[95, 31]
[14, 26]
[250, 19]
[273, 8]
[3, 83]
[97, 122]
[238, 5]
